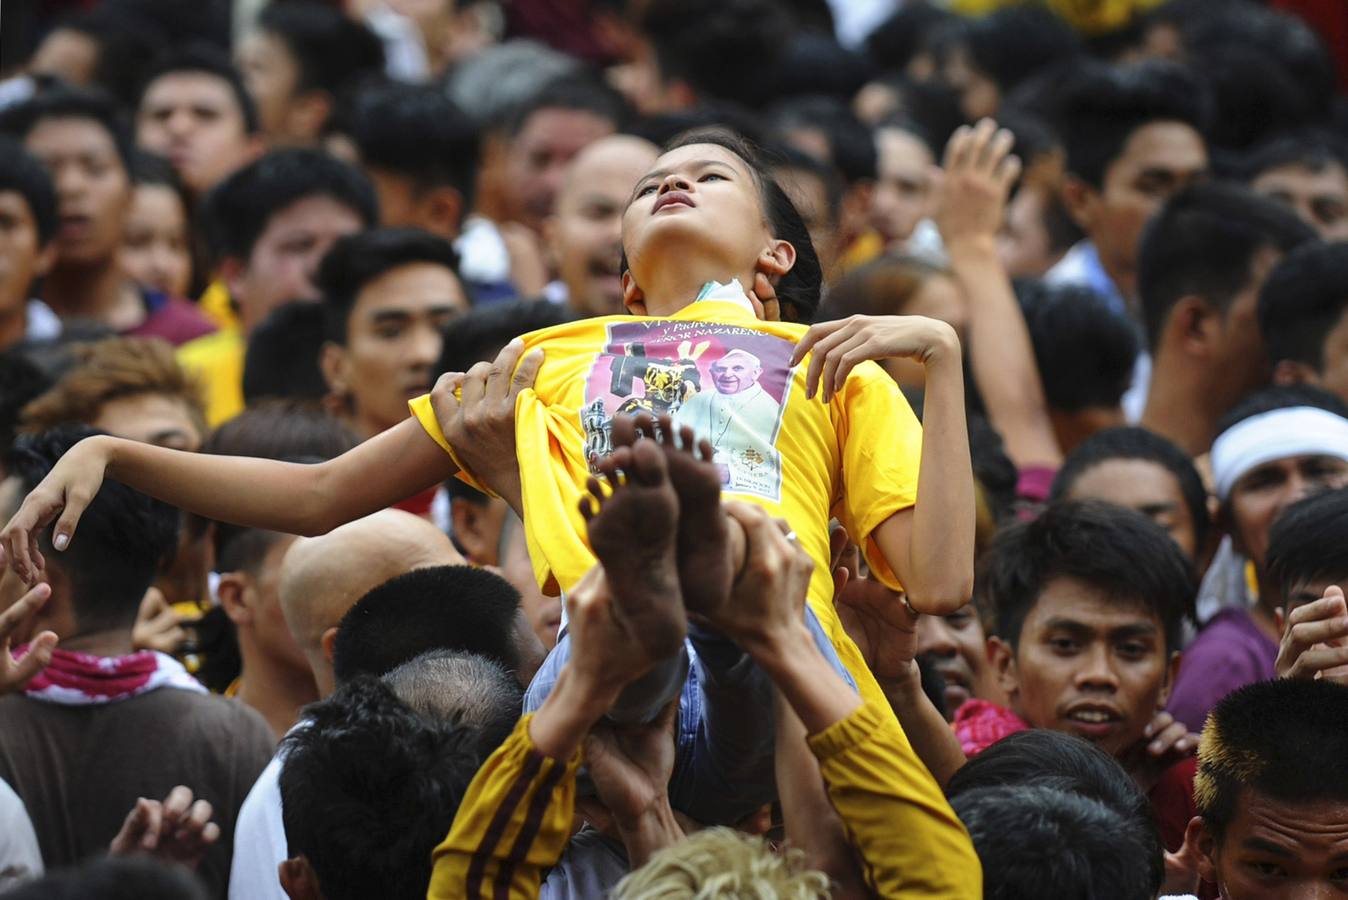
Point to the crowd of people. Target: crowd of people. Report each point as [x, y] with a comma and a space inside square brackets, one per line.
[674, 449]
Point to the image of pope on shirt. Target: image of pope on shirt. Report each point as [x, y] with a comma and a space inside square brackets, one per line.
[727, 383]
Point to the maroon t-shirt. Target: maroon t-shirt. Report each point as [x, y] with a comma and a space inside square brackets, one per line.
[172, 318]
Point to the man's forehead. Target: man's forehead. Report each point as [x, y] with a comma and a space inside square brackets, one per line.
[1073, 602]
[188, 86]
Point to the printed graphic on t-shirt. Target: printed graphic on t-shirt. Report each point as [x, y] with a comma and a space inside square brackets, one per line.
[729, 384]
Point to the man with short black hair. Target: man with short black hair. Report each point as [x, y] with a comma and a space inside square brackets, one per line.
[195, 110]
[387, 294]
[1089, 602]
[269, 225]
[27, 231]
[149, 724]
[1133, 136]
[1301, 316]
[1308, 171]
[1272, 792]
[1308, 568]
[1201, 267]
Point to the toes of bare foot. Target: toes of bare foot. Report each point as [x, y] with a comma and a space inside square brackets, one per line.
[620, 460]
[648, 463]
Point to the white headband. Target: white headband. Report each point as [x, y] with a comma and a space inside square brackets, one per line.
[1295, 431]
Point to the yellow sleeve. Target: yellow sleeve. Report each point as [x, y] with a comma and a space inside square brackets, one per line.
[881, 443]
[425, 414]
[513, 824]
[909, 839]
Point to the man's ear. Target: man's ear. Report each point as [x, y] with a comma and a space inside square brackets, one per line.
[471, 523]
[633, 298]
[298, 879]
[1172, 668]
[440, 211]
[1192, 321]
[1081, 201]
[308, 114]
[1289, 371]
[332, 360]
[231, 272]
[1197, 836]
[327, 640]
[233, 592]
[1003, 658]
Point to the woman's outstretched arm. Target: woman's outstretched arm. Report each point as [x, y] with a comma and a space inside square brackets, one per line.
[260, 493]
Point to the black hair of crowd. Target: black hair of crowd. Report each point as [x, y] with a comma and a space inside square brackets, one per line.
[124, 536]
[1119, 552]
[1132, 442]
[88, 104]
[331, 50]
[479, 334]
[416, 132]
[1302, 301]
[851, 146]
[237, 210]
[113, 878]
[1203, 243]
[1040, 756]
[582, 92]
[1281, 397]
[1285, 740]
[1085, 348]
[1040, 841]
[205, 59]
[1307, 542]
[458, 608]
[357, 259]
[368, 830]
[719, 48]
[1102, 106]
[1314, 149]
[281, 360]
[23, 174]
[1013, 43]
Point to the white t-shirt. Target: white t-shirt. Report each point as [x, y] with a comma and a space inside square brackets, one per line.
[260, 840]
[20, 857]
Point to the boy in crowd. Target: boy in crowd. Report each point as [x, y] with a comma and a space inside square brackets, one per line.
[1089, 601]
[79, 138]
[1308, 569]
[1141, 470]
[1301, 315]
[1272, 792]
[297, 63]
[1134, 136]
[1203, 261]
[1308, 171]
[149, 723]
[1276, 447]
[387, 295]
[269, 225]
[28, 223]
[195, 111]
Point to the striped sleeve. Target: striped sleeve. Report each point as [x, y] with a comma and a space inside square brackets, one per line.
[909, 839]
[513, 824]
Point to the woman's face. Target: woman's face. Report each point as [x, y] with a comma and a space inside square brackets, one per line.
[154, 244]
[699, 201]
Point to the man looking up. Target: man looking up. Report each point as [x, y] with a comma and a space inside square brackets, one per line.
[1133, 137]
[584, 233]
[269, 225]
[195, 111]
[1203, 261]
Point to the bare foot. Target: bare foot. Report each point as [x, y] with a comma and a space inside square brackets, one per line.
[705, 571]
[633, 532]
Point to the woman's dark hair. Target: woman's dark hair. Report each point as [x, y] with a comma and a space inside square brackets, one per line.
[799, 289]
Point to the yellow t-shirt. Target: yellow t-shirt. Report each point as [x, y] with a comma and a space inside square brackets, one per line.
[217, 362]
[718, 368]
[216, 305]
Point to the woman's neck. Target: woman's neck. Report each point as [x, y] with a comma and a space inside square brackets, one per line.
[99, 291]
[678, 285]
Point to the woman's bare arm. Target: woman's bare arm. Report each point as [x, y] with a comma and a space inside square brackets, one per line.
[261, 493]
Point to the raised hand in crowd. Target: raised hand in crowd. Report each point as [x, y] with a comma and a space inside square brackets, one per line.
[14, 674]
[177, 829]
[1315, 639]
[157, 627]
[1165, 742]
